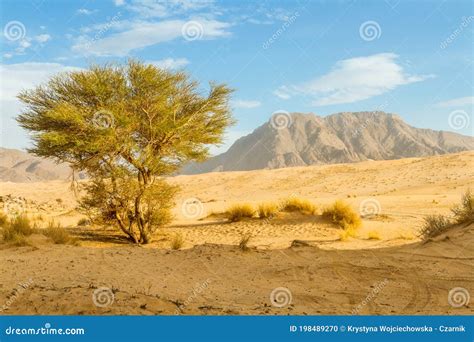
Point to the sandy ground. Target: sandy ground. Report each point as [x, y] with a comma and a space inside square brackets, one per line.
[396, 274]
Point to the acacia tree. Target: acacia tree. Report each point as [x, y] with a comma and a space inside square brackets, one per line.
[127, 126]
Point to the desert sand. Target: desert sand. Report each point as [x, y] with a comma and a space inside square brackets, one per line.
[319, 273]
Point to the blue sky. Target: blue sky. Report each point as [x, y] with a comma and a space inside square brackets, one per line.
[413, 58]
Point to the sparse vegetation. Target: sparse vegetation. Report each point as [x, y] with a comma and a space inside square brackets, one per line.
[58, 234]
[267, 210]
[347, 233]
[238, 212]
[244, 241]
[373, 235]
[341, 214]
[17, 229]
[127, 126]
[464, 213]
[177, 242]
[434, 225]
[83, 222]
[3, 219]
[295, 204]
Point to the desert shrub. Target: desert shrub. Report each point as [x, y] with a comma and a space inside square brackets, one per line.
[464, 213]
[177, 242]
[3, 219]
[347, 233]
[17, 228]
[343, 215]
[83, 222]
[237, 212]
[295, 204]
[373, 235]
[58, 234]
[434, 225]
[244, 241]
[267, 210]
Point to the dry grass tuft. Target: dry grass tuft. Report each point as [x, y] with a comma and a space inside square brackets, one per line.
[373, 235]
[434, 225]
[464, 213]
[83, 222]
[177, 242]
[343, 215]
[295, 204]
[238, 212]
[347, 233]
[267, 210]
[244, 241]
[58, 234]
[17, 229]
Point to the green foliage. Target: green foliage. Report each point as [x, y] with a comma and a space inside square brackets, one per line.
[343, 215]
[434, 225]
[238, 212]
[464, 213]
[126, 126]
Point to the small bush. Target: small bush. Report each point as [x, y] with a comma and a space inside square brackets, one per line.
[3, 219]
[267, 210]
[238, 212]
[347, 233]
[83, 222]
[17, 229]
[177, 242]
[373, 235]
[434, 225]
[244, 241]
[343, 215]
[464, 213]
[58, 234]
[294, 204]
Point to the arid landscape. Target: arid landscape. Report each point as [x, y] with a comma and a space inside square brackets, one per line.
[288, 263]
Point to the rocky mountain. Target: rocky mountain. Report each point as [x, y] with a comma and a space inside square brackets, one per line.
[19, 166]
[306, 139]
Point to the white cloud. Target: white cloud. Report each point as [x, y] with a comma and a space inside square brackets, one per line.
[142, 34]
[162, 9]
[353, 80]
[283, 93]
[170, 63]
[247, 104]
[84, 11]
[459, 102]
[119, 2]
[43, 38]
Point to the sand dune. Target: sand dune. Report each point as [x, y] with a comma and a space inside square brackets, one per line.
[301, 254]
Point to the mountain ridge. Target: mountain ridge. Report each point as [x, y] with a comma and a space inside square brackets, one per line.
[308, 139]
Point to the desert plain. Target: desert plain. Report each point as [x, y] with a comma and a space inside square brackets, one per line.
[291, 264]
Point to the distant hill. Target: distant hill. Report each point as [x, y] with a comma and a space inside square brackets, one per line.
[19, 166]
[309, 139]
